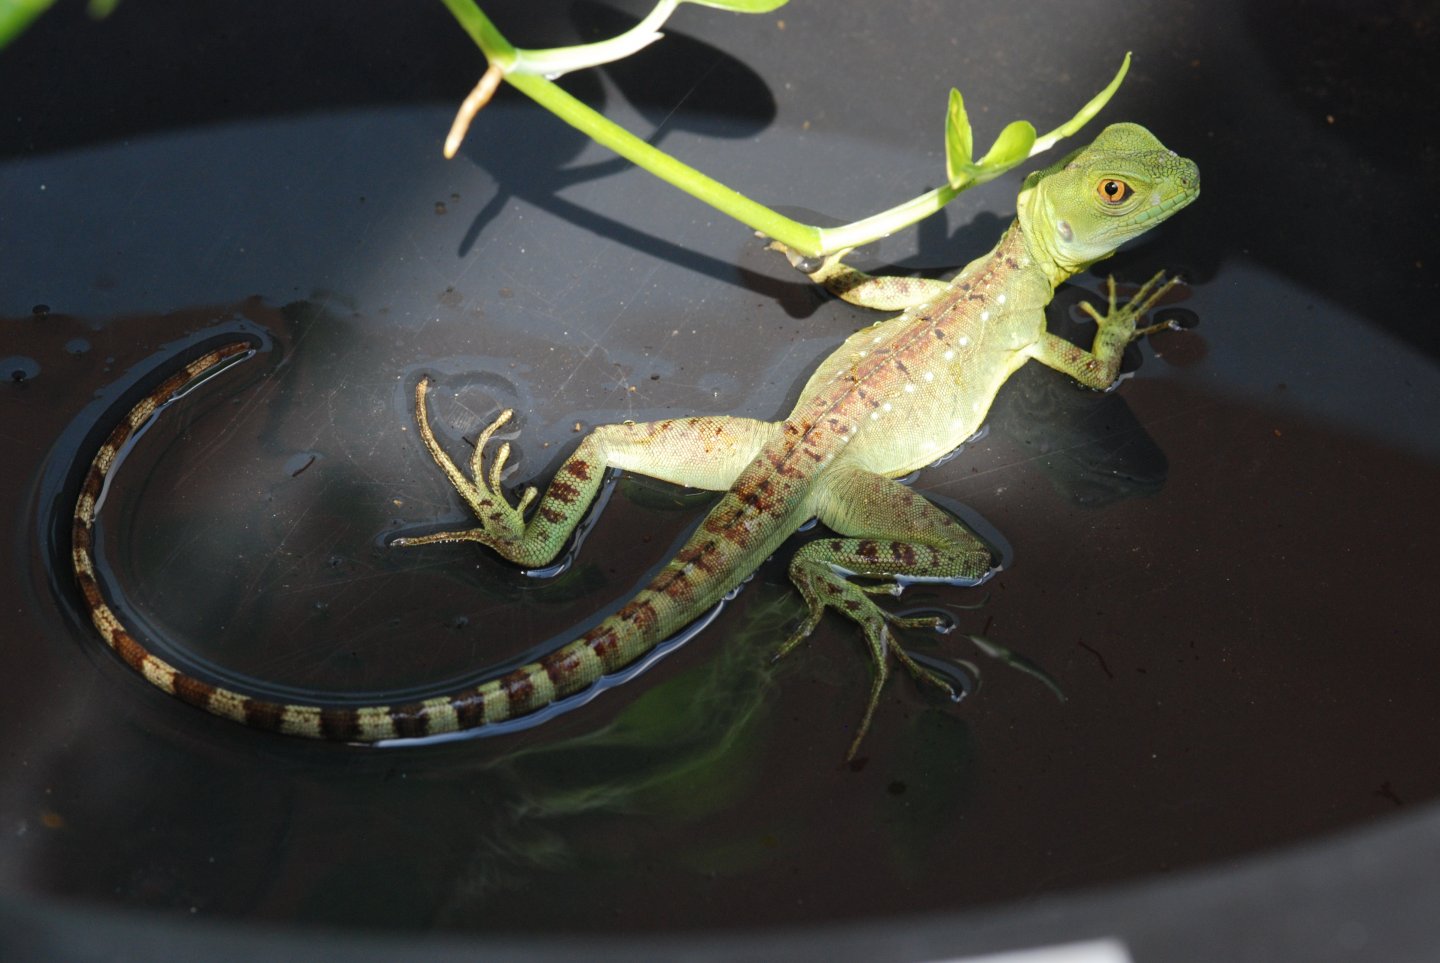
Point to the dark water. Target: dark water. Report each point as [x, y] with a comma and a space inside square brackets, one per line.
[1224, 565]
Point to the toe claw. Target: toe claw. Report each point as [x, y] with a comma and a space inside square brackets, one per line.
[502, 454]
[526, 498]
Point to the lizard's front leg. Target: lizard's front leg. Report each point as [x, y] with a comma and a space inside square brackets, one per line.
[888, 532]
[706, 452]
[885, 292]
[1098, 367]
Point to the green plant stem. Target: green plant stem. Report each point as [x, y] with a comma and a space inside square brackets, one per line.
[807, 240]
[491, 42]
[802, 238]
[885, 223]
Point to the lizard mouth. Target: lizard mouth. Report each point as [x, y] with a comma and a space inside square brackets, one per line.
[1187, 188]
[1162, 208]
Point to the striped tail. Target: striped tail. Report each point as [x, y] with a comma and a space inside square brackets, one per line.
[740, 532]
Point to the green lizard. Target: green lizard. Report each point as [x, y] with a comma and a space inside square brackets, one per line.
[894, 398]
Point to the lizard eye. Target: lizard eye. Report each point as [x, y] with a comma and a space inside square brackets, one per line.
[1112, 191]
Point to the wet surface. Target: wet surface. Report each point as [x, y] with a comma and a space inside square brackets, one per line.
[1222, 565]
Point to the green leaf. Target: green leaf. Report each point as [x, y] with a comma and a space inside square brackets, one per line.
[741, 6]
[1011, 147]
[15, 16]
[959, 140]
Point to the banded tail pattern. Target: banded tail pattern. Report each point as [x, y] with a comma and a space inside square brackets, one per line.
[699, 575]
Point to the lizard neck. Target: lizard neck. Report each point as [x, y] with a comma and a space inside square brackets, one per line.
[1044, 233]
[1016, 262]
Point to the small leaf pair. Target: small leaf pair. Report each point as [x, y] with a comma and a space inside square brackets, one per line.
[1017, 142]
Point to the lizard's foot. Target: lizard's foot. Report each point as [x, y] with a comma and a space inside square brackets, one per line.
[822, 586]
[1126, 316]
[502, 525]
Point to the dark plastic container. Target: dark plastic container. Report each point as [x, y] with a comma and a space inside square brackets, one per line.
[1225, 564]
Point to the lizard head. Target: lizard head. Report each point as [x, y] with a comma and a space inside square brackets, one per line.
[1083, 207]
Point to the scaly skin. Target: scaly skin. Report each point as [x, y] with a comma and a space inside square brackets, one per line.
[894, 398]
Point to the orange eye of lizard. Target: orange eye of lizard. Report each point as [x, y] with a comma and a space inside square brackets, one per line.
[1112, 191]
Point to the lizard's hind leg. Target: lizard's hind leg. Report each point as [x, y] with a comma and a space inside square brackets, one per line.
[890, 533]
[704, 452]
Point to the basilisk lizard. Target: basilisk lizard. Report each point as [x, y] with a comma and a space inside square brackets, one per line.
[893, 398]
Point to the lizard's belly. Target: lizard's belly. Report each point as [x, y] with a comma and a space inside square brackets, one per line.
[913, 427]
